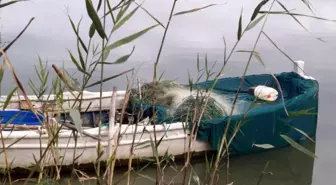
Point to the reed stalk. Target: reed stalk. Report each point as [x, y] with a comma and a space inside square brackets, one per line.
[111, 131]
[234, 103]
[155, 81]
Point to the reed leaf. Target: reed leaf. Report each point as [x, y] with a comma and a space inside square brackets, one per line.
[125, 19]
[121, 59]
[308, 4]
[125, 40]
[99, 4]
[2, 71]
[303, 133]
[154, 18]
[81, 59]
[147, 177]
[33, 87]
[77, 34]
[110, 11]
[239, 33]
[7, 3]
[194, 10]
[160, 77]
[9, 97]
[92, 30]
[95, 49]
[295, 14]
[16, 141]
[301, 113]
[254, 23]
[18, 36]
[155, 151]
[264, 146]
[109, 78]
[95, 19]
[123, 9]
[277, 47]
[257, 9]
[255, 54]
[77, 64]
[298, 146]
[17, 81]
[284, 7]
[75, 115]
[258, 57]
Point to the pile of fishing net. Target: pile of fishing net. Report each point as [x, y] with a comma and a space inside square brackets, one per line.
[178, 103]
[192, 107]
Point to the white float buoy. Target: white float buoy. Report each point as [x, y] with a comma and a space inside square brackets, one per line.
[264, 93]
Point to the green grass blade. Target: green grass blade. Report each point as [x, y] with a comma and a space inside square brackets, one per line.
[99, 4]
[147, 177]
[121, 59]
[17, 37]
[298, 146]
[10, 121]
[308, 4]
[95, 19]
[77, 64]
[9, 97]
[77, 34]
[125, 19]
[33, 88]
[257, 9]
[8, 3]
[284, 7]
[16, 141]
[194, 10]
[92, 30]
[81, 59]
[239, 33]
[147, 12]
[125, 40]
[2, 71]
[255, 54]
[303, 133]
[110, 10]
[277, 47]
[109, 78]
[254, 23]
[123, 9]
[296, 14]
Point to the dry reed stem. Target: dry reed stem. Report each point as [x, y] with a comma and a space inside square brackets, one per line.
[234, 103]
[111, 129]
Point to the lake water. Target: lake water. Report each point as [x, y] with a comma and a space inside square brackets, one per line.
[50, 35]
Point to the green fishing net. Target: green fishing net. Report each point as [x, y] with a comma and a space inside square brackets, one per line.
[185, 111]
[148, 91]
[191, 105]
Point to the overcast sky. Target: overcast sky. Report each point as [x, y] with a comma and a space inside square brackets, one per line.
[50, 35]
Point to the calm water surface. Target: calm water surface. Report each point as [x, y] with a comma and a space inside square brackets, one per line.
[50, 35]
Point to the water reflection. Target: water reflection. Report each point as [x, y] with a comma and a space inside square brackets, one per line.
[286, 166]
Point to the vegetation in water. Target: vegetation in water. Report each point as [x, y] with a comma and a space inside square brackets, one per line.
[91, 58]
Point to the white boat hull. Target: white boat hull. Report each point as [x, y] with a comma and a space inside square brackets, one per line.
[175, 142]
[24, 152]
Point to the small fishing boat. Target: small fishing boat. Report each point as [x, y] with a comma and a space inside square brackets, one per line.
[255, 122]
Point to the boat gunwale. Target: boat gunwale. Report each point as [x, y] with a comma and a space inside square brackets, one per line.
[33, 134]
